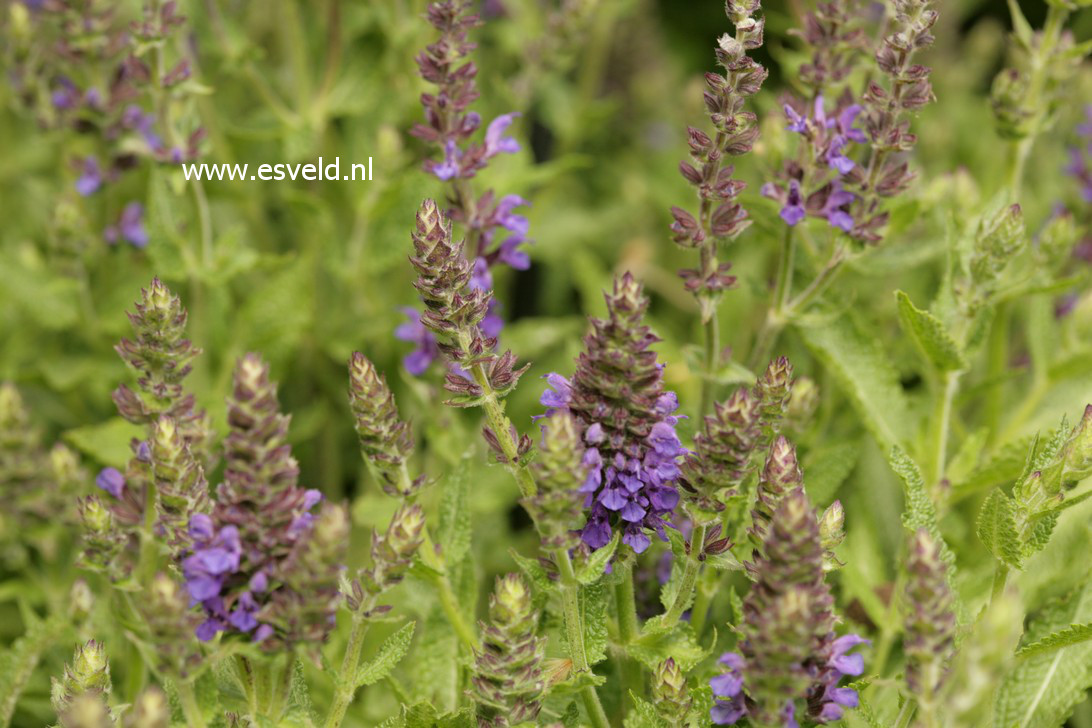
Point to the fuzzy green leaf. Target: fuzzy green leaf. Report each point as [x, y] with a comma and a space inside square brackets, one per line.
[593, 605]
[997, 529]
[391, 652]
[1071, 635]
[643, 714]
[17, 663]
[455, 527]
[1004, 465]
[828, 466]
[931, 335]
[920, 511]
[680, 644]
[856, 359]
[591, 570]
[1043, 689]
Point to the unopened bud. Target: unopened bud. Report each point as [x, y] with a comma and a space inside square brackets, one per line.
[669, 691]
[150, 710]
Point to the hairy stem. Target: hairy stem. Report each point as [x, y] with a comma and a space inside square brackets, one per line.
[941, 427]
[502, 428]
[627, 605]
[186, 696]
[345, 682]
[776, 317]
[574, 634]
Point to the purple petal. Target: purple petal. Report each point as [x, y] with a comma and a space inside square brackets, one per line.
[111, 480]
[208, 629]
[495, 141]
[727, 685]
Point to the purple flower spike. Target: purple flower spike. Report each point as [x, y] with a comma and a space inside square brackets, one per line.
[112, 481]
[495, 141]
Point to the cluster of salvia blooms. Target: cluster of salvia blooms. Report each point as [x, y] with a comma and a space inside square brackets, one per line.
[719, 216]
[670, 695]
[262, 563]
[166, 472]
[508, 679]
[454, 310]
[930, 618]
[80, 696]
[824, 180]
[495, 232]
[385, 444]
[789, 662]
[81, 65]
[727, 448]
[617, 396]
[39, 484]
[559, 464]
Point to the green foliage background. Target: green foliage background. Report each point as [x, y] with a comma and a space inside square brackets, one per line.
[306, 273]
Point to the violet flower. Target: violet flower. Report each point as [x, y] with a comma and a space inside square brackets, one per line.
[130, 226]
[632, 450]
[90, 179]
[427, 351]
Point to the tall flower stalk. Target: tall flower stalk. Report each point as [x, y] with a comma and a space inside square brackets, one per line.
[720, 218]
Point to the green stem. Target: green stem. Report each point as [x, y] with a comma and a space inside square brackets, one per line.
[1000, 581]
[890, 627]
[706, 590]
[502, 428]
[712, 363]
[627, 605]
[450, 604]
[689, 579]
[775, 317]
[906, 713]
[941, 427]
[244, 670]
[190, 709]
[997, 365]
[574, 633]
[282, 690]
[345, 683]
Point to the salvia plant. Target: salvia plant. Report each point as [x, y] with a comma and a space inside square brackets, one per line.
[799, 436]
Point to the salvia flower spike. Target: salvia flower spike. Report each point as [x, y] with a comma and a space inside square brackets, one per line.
[262, 545]
[508, 676]
[617, 396]
[789, 663]
[930, 621]
[385, 440]
[559, 471]
[80, 697]
[719, 216]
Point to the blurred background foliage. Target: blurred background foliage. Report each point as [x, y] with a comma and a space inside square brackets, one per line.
[307, 272]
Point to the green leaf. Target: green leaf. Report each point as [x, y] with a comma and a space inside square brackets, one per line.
[1004, 465]
[593, 605]
[1040, 534]
[930, 335]
[737, 605]
[455, 527]
[643, 714]
[1021, 28]
[591, 570]
[106, 442]
[920, 511]
[997, 528]
[17, 663]
[1071, 635]
[680, 644]
[857, 361]
[1043, 689]
[827, 466]
[391, 652]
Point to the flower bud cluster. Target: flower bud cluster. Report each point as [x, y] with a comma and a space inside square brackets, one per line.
[454, 311]
[930, 620]
[725, 448]
[670, 694]
[617, 396]
[385, 440]
[79, 698]
[164, 357]
[495, 233]
[392, 556]
[719, 216]
[559, 470]
[789, 662]
[170, 626]
[508, 678]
